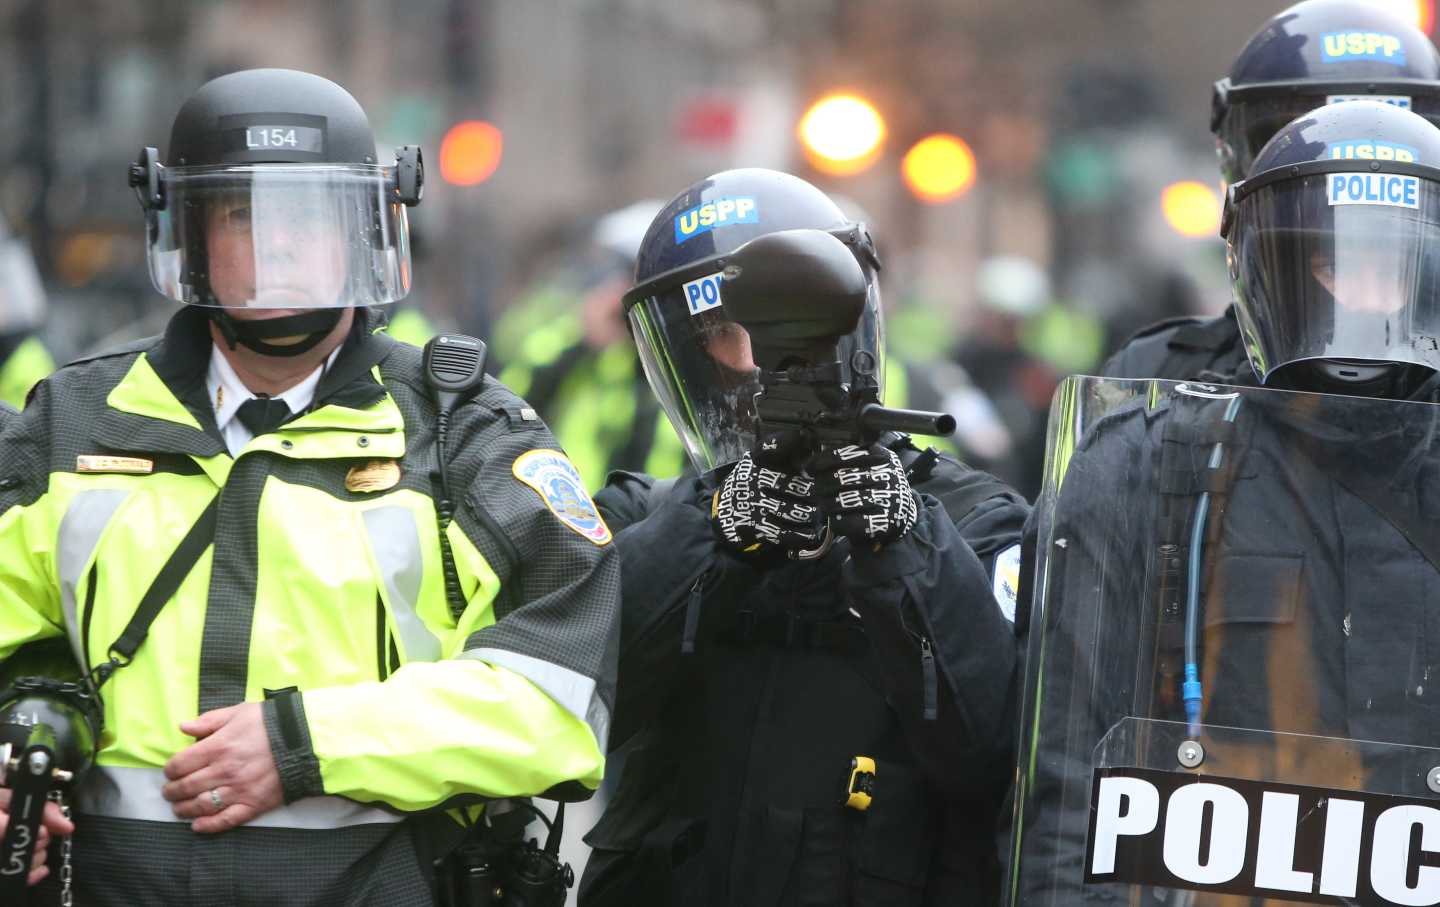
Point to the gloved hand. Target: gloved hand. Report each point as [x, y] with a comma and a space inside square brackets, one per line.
[865, 492]
[765, 507]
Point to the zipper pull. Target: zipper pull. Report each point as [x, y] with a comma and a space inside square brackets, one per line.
[927, 668]
[692, 617]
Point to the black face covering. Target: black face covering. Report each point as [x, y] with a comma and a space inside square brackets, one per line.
[315, 324]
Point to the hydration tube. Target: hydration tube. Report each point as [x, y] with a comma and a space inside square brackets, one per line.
[1191, 690]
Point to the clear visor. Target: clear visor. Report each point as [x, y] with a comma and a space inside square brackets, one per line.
[1339, 266]
[701, 368]
[22, 296]
[1252, 122]
[279, 236]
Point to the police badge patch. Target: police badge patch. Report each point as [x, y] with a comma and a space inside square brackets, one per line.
[1006, 584]
[558, 483]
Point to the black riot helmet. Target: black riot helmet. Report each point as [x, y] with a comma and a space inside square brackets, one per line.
[1316, 53]
[270, 196]
[1334, 251]
[697, 359]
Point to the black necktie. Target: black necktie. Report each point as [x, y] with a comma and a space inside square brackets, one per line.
[263, 415]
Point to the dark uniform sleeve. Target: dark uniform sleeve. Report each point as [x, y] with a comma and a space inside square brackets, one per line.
[944, 641]
[556, 618]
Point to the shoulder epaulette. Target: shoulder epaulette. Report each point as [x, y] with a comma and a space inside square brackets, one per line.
[124, 349]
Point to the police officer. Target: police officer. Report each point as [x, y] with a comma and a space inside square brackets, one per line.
[1299, 60]
[579, 367]
[1304, 516]
[313, 674]
[23, 358]
[757, 689]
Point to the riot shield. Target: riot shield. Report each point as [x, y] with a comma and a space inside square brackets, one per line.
[1234, 625]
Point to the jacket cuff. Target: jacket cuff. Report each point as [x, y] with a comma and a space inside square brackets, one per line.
[289, 735]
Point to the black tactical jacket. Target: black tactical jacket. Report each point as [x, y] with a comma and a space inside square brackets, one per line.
[745, 694]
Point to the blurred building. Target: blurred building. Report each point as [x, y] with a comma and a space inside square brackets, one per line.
[603, 101]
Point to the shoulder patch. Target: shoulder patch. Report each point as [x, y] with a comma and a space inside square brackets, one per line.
[559, 485]
[1006, 584]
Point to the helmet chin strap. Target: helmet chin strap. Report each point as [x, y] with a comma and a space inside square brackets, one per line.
[315, 324]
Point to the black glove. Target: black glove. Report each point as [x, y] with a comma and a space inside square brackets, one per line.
[865, 492]
[765, 506]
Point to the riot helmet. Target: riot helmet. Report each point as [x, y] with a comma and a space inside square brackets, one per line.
[22, 295]
[1316, 53]
[698, 360]
[270, 196]
[1333, 246]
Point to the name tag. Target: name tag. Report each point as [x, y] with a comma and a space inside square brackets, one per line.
[100, 463]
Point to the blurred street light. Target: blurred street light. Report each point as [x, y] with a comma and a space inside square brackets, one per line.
[1420, 13]
[842, 134]
[470, 152]
[939, 168]
[1191, 208]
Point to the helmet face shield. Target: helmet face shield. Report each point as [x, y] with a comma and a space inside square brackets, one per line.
[700, 364]
[1339, 266]
[1249, 116]
[279, 236]
[701, 371]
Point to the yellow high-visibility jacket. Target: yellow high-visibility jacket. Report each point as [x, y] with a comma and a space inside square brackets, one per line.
[322, 595]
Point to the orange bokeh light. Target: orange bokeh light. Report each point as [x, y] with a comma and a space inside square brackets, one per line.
[939, 168]
[470, 152]
[842, 134]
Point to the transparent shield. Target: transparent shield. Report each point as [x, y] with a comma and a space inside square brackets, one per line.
[1228, 696]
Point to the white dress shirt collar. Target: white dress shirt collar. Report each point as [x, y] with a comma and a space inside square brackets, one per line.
[227, 392]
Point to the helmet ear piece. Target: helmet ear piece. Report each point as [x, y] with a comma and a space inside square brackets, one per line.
[409, 175]
[1219, 104]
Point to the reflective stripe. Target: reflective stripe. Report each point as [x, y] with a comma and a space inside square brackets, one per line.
[134, 793]
[395, 545]
[574, 692]
[80, 530]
